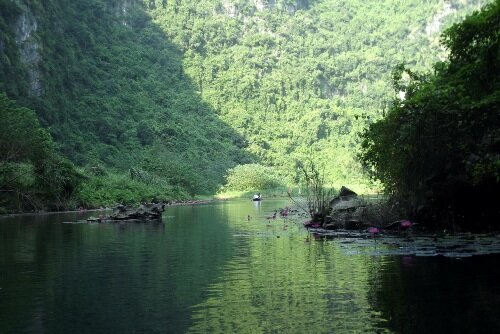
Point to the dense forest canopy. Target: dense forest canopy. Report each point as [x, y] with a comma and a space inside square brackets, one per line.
[114, 94]
[302, 78]
[176, 93]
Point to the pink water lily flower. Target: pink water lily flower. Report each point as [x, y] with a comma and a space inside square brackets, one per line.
[406, 223]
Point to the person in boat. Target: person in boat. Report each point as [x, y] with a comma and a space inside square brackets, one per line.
[257, 197]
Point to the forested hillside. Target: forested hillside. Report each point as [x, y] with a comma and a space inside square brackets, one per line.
[302, 78]
[180, 91]
[112, 90]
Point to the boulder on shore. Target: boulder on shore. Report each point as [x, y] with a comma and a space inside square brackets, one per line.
[347, 200]
[346, 211]
[349, 212]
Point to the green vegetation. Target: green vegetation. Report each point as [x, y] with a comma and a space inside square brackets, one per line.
[303, 76]
[184, 92]
[117, 188]
[112, 91]
[33, 176]
[437, 150]
[316, 192]
[252, 177]
[31, 172]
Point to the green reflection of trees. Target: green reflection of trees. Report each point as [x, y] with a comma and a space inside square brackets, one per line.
[285, 285]
[108, 278]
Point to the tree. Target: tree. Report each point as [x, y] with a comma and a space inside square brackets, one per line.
[438, 149]
[31, 172]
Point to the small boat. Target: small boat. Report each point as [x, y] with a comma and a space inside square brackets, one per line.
[257, 197]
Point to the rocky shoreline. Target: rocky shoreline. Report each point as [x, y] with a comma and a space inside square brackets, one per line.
[377, 229]
[350, 212]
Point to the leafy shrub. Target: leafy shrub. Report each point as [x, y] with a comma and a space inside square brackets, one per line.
[113, 188]
[315, 191]
[146, 178]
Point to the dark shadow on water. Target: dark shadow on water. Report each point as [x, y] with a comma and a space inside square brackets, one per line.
[108, 278]
[439, 294]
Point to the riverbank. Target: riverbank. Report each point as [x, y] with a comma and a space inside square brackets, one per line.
[107, 208]
[192, 202]
[350, 212]
[21, 214]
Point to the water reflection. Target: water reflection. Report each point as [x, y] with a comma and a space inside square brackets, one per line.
[107, 278]
[440, 295]
[209, 268]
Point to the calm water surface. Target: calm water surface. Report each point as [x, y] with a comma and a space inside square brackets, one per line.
[207, 269]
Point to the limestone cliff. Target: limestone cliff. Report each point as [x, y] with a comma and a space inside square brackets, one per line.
[235, 8]
[29, 48]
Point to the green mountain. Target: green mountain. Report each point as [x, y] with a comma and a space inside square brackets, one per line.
[302, 78]
[112, 90]
[184, 90]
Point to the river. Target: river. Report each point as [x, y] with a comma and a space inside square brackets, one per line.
[208, 269]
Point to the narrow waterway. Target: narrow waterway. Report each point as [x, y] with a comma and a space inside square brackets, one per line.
[209, 269]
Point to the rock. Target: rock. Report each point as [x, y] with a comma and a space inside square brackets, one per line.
[145, 212]
[349, 203]
[354, 224]
[334, 225]
[360, 213]
[344, 191]
[347, 212]
[346, 200]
